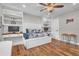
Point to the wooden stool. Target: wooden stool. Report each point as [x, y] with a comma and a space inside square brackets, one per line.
[65, 36]
[75, 38]
[69, 38]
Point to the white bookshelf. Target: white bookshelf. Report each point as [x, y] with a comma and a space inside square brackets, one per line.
[12, 17]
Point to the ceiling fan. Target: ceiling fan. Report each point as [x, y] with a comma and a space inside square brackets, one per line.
[49, 7]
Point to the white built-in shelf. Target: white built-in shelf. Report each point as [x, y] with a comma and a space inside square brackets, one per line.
[47, 24]
[12, 12]
[11, 17]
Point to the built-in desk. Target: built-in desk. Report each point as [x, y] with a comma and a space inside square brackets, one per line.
[16, 38]
[6, 35]
[12, 35]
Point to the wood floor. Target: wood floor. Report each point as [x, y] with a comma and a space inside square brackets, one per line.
[55, 48]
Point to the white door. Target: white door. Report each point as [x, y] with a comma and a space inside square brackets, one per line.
[55, 28]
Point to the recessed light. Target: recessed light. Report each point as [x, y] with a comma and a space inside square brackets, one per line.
[74, 3]
[44, 19]
[23, 5]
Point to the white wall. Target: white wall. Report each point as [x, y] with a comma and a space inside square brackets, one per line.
[31, 22]
[71, 27]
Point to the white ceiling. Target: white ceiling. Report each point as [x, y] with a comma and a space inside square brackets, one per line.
[34, 8]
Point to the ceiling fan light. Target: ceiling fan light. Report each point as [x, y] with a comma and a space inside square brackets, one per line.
[44, 19]
[74, 3]
[23, 6]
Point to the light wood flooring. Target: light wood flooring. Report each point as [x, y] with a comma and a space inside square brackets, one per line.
[55, 48]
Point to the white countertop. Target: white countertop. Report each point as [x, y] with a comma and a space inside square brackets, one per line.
[12, 35]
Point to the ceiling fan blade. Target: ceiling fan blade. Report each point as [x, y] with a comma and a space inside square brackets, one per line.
[51, 4]
[51, 11]
[43, 9]
[43, 4]
[58, 6]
